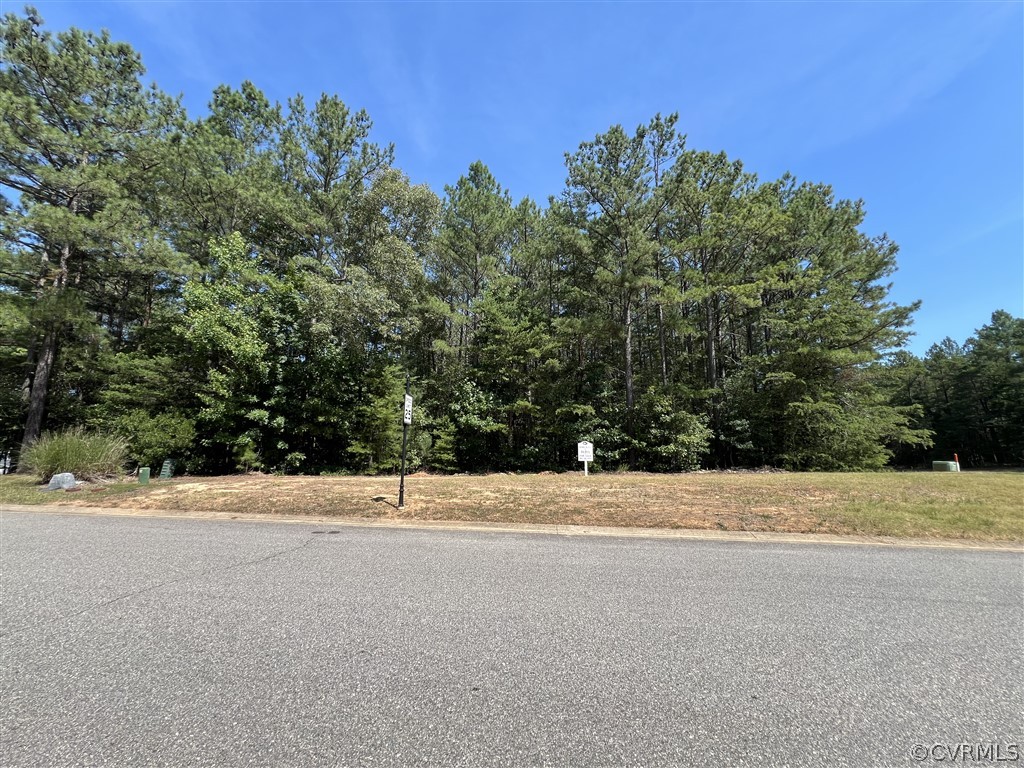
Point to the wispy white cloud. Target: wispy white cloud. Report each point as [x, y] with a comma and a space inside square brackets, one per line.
[199, 44]
[878, 75]
[1011, 214]
[406, 77]
[176, 32]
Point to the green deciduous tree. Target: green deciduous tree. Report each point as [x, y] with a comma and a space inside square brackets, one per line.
[249, 287]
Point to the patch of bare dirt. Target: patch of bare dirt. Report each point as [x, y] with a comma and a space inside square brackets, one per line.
[730, 501]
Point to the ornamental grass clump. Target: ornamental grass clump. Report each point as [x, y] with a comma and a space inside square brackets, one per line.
[88, 456]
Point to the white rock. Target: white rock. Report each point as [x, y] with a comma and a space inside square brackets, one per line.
[62, 480]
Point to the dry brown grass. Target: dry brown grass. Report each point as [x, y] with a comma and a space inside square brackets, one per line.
[970, 505]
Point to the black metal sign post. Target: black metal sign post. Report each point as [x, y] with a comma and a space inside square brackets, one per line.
[406, 421]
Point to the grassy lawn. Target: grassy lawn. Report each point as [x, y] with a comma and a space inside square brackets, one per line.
[970, 505]
[18, 489]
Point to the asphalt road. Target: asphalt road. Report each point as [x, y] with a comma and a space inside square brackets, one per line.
[131, 641]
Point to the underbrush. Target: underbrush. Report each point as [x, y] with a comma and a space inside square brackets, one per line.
[89, 456]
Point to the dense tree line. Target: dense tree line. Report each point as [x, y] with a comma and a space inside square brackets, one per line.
[249, 289]
[972, 396]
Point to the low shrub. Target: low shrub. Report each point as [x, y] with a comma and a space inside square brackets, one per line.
[151, 439]
[88, 456]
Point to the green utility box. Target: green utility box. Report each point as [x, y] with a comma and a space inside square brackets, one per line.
[944, 466]
[143, 475]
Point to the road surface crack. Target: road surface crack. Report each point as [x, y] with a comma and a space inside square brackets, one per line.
[153, 587]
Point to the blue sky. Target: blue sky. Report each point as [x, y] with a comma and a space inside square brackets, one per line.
[917, 108]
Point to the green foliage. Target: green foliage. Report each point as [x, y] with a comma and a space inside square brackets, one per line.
[78, 138]
[995, 372]
[248, 290]
[244, 453]
[971, 396]
[89, 456]
[440, 453]
[674, 440]
[14, 334]
[152, 439]
[823, 436]
[377, 432]
[232, 325]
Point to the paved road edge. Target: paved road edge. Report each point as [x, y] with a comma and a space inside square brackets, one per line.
[555, 530]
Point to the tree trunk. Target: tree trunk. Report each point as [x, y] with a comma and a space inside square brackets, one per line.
[48, 353]
[30, 364]
[627, 322]
[663, 358]
[710, 345]
[40, 387]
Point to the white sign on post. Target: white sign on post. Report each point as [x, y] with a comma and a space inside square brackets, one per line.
[585, 453]
[407, 416]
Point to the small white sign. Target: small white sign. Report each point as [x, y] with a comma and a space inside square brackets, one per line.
[407, 416]
[585, 451]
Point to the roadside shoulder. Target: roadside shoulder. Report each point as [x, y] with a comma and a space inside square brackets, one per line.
[555, 530]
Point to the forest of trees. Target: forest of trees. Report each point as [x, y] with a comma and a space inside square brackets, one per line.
[249, 289]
